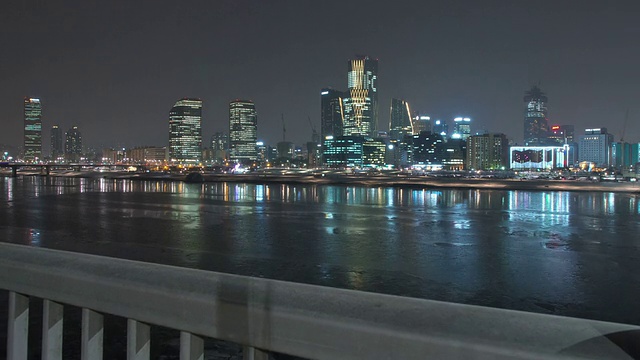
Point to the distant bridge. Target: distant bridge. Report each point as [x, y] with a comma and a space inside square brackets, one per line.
[45, 169]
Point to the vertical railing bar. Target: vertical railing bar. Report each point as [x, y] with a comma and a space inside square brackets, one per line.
[191, 346]
[92, 335]
[52, 324]
[18, 327]
[138, 340]
[251, 353]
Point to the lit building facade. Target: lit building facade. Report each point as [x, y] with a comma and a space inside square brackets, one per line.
[421, 123]
[73, 145]
[561, 134]
[461, 128]
[624, 155]
[594, 147]
[185, 131]
[343, 151]
[219, 147]
[147, 155]
[373, 152]
[32, 130]
[454, 154]
[243, 131]
[361, 102]
[440, 127]
[427, 149]
[536, 125]
[538, 157]
[400, 123]
[488, 152]
[57, 144]
[331, 112]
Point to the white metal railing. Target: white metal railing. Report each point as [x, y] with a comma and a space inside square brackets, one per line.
[266, 315]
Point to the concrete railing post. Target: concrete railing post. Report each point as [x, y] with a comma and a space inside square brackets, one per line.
[138, 340]
[52, 323]
[17, 338]
[191, 346]
[92, 335]
[251, 353]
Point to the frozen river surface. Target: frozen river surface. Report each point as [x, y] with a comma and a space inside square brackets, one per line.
[573, 254]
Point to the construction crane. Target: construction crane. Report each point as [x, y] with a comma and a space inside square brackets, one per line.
[624, 126]
[314, 134]
[284, 130]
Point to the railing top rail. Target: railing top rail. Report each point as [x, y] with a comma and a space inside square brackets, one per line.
[303, 320]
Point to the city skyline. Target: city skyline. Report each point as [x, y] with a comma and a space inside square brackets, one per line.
[443, 69]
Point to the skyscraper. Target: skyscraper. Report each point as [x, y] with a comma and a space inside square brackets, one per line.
[421, 123]
[331, 112]
[73, 145]
[185, 131]
[400, 121]
[243, 130]
[461, 128]
[536, 125]
[361, 103]
[488, 152]
[595, 147]
[57, 145]
[440, 127]
[32, 129]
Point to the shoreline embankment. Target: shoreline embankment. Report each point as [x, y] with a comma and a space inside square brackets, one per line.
[428, 182]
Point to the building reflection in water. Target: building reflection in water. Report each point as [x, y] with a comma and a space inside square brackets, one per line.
[474, 246]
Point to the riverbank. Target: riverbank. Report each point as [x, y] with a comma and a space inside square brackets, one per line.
[368, 181]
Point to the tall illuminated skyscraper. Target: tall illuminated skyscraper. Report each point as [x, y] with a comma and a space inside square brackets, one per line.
[400, 123]
[361, 103]
[73, 145]
[243, 131]
[32, 129]
[331, 112]
[536, 125]
[185, 131]
[57, 147]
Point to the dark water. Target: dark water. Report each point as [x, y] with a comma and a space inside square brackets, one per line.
[574, 254]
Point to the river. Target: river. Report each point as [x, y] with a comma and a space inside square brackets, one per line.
[565, 253]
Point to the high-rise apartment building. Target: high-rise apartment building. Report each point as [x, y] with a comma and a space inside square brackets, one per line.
[400, 123]
[57, 144]
[32, 129]
[488, 152]
[73, 145]
[536, 125]
[461, 128]
[331, 112]
[361, 103]
[595, 146]
[243, 131]
[185, 131]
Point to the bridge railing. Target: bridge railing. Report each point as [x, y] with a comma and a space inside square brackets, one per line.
[274, 316]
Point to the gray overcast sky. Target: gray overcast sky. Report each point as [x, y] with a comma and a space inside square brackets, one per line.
[115, 68]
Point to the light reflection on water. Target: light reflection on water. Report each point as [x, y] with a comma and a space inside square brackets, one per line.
[514, 249]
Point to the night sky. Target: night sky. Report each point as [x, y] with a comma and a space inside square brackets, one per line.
[115, 68]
